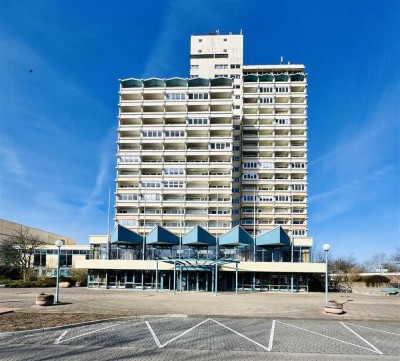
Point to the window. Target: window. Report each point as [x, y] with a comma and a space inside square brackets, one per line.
[175, 133]
[237, 96]
[152, 133]
[151, 197]
[235, 211]
[236, 86]
[250, 176]
[236, 107]
[175, 96]
[235, 66]
[236, 137]
[236, 147]
[193, 76]
[282, 89]
[266, 89]
[219, 146]
[282, 198]
[128, 222]
[235, 201]
[197, 121]
[221, 76]
[250, 165]
[266, 100]
[127, 197]
[151, 184]
[299, 232]
[266, 198]
[236, 159]
[200, 40]
[235, 190]
[174, 171]
[173, 184]
[129, 159]
[197, 96]
[236, 169]
[248, 198]
[221, 66]
[192, 67]
[298, 187]
[298, 165]
[282, 121]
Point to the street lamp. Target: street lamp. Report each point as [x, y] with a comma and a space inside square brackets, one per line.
[59, 244]
[326, 247]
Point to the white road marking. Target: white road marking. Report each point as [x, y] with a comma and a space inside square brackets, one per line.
[59, 339]
[369, 328]
[271, 336]
[245, 337]
[158, 343]
[321, 334]
[362, 338]
[87, 333]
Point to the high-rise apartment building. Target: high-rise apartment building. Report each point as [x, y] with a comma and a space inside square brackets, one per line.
[211, 179]
[226, 147]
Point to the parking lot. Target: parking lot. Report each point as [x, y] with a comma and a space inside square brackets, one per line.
[199, 338]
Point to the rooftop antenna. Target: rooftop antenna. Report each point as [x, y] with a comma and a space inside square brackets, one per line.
[281, 59]
[241, 31]
[217, 32]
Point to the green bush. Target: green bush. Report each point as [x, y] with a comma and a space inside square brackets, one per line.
[375, 280]
[19, 284]
[44, 282]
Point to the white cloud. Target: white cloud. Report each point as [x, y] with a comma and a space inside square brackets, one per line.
[106, 160]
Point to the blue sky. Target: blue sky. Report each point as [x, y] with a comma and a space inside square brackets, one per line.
[58, 123]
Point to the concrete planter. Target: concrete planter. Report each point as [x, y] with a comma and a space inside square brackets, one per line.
[334, 307]
[44, 299]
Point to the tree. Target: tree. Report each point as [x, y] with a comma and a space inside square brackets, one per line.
[376, 262]
[17, 250]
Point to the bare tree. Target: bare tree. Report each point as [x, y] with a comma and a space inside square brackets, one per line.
[18, 250]
[396, 256]
[376, 262]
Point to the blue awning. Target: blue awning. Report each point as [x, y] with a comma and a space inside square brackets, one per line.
[198, 236]
[159, 236]
[124, 236]
[274, 237]
[236, 237]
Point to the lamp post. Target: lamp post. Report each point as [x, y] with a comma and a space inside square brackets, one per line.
[326, 247]
[59, 243]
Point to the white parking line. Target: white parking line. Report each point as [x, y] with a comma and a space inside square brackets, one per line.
[249, 339]
[158, 343]
[59, 339]
[332, 338]
[83, 334]
[362, 338]
[271, 336]
[369, 328]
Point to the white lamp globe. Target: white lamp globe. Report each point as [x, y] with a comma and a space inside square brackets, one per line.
[59, 243]
[326, 247]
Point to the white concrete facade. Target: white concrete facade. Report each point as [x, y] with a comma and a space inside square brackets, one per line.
[197, 155]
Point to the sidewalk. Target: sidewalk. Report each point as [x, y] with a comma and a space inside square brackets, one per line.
[259, 305]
